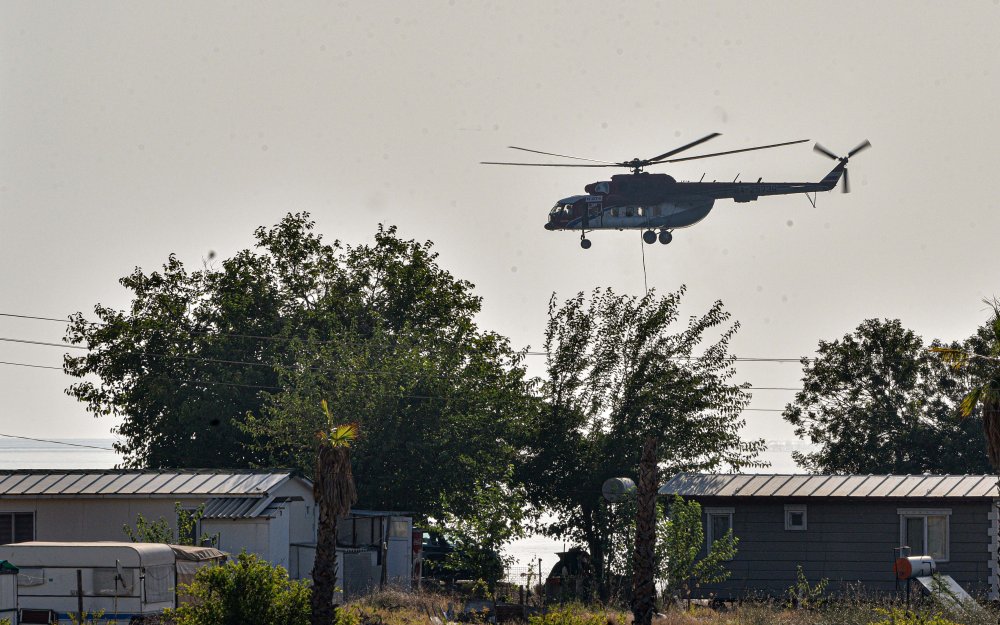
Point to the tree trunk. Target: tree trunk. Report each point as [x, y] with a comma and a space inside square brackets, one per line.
[643, 590]
[334, 492]
[324, 571]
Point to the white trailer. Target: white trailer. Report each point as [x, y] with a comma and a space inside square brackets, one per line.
[128, 581]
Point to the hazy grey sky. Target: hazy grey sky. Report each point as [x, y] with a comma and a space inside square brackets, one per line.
[133, 130]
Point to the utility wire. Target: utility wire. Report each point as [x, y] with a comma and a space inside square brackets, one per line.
[45, 440]
[283, 338]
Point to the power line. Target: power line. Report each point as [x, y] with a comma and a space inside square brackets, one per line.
[24, 364]
[45, 440]
[283, 338]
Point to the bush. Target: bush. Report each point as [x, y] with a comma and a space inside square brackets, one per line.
[576, 614]
[899, 616]
[245, 591]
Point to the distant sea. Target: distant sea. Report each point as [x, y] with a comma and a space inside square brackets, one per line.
[21, 454]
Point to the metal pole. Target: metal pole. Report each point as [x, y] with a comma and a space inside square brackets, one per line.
[79, 594]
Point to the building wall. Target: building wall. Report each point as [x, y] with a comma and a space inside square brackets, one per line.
[91, 519]
[849, 542]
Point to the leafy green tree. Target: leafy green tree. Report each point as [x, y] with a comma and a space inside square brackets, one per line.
[333, 489]
[876, 401]
[244, 591]
[980, 358]
[682, 538]
[496, 514]
[619, 369]
[224, 366]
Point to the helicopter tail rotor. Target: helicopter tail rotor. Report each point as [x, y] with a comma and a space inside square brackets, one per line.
[864, 145]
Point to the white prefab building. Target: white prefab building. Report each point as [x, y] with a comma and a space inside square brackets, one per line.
[262, 512]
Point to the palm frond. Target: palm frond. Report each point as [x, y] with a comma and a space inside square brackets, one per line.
[957, 358]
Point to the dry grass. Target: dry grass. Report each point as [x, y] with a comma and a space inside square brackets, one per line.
[393, 607]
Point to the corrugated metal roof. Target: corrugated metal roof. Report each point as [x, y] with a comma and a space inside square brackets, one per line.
[860, 486]
[130, 483]
[236, 507]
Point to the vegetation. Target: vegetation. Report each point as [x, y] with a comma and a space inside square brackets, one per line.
[980, 357]
[620, 368]
[681, 538]
[876, 401]
[333, 489]
[804, 595]
[224, 366]
[160, 531]
[244, 591]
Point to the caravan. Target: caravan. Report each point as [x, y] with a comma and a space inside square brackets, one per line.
[125, 581]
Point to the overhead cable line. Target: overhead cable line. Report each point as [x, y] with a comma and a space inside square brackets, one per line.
[45, 440]
[287, 339]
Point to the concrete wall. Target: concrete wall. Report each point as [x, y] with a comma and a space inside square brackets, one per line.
[849, 542]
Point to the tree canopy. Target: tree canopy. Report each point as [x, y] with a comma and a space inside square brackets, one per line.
[226, 366]
[620, 368]
[877, 401]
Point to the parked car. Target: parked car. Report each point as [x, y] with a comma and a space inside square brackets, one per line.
[446, 558]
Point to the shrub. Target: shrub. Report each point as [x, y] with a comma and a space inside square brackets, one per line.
[899, 616]
[575, 614]
[245, 591]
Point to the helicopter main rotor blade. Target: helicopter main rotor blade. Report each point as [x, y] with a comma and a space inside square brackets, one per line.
[579, 158]
[847, 184]
[760, 147]
[864, 145]
[548, 164]
[684, 147]
[822, 150]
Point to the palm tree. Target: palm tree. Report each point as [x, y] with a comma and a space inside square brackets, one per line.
[985, 364]
[334, 491]
[643, 589]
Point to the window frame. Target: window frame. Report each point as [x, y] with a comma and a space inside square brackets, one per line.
[709, 513]
[13, 528]
[924, 513]
[796, 507]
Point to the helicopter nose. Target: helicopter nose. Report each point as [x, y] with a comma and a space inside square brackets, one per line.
[549, 225]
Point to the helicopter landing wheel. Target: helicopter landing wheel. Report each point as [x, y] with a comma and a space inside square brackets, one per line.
[649, 236]
[666, 237]
[585, 244]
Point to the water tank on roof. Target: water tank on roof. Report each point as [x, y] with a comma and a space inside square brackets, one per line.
[618, 489]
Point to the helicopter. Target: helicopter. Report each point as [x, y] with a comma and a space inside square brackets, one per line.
[650, 202]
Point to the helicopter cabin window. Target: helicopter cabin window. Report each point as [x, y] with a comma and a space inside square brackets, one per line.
[628, 211]
[640, 211]
[614, 212]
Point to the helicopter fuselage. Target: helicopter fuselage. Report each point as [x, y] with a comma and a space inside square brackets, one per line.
[644, 201]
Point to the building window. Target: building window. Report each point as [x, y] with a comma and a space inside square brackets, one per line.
[925, 532]
[720, 521]
[17, 527]
[795, 517]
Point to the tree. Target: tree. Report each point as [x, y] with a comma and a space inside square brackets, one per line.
[682, 537]
[876, 401]
[643, 588]
[333, 489]
[224, 366]
[980, 357]
[619, 370]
